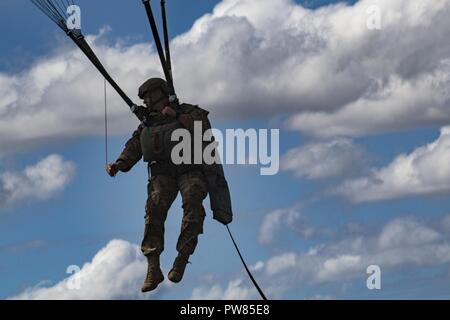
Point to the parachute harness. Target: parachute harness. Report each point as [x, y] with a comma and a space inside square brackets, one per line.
[54, 9]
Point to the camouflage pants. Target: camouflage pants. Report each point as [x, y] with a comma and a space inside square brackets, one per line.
[162, 191]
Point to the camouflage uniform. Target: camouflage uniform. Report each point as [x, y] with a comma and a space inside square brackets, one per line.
[165, 182]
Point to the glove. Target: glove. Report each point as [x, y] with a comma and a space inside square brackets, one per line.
[113, 168]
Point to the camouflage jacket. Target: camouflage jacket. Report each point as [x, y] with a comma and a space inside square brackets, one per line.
[219, 194]
[132, 152]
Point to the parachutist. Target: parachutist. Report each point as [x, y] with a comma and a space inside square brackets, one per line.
[152, 142]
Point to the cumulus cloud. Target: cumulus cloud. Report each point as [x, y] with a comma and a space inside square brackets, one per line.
[60, 95]
[276, 221]
[280, 263]
[328, 159]
[116, 272]
[425, 171]
[235, 290]
[255, 57]
[401, 244]
[37, 182]
[399, 105]
[395, 78]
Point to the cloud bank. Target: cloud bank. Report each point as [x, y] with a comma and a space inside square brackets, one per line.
[423, 172]
[115, 272]
[402, 243]
[323, 67]
[322, 160]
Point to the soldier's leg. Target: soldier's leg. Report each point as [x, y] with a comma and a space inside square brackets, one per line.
[162, 191]
[193, 190]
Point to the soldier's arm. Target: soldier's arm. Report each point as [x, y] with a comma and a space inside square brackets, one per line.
[132, 152]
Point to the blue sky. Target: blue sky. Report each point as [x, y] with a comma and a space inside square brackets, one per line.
[361, 213]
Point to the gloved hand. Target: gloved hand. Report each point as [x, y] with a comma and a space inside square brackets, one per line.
[222, 217]
[113, 168]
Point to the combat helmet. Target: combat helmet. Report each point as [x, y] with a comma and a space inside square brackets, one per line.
[151, 84]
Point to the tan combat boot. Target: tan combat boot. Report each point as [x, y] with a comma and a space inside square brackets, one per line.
[154, 274]
[176, 274]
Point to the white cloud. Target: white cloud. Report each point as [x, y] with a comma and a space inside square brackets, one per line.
[275, 56]
[406, 232]
[40, 181]
[116, 272]
[391, 79]
[255, 57]
[235, 290]
[336, 266]
[325, 159]
[274, 223]
[257, 266]
[398, 105]
[61, 95]
[280, 263]
[425, 171]
[401, 244]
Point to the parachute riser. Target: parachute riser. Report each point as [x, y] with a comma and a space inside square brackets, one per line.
[166, 37]
[165, 60]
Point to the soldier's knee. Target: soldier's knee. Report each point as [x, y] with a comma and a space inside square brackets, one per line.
[157, 203]
[152, 220]
[193, 186]
[154, 224]
[194, 197]
[161, 192]
[193, 223]
[157, 199]
[194, 212]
